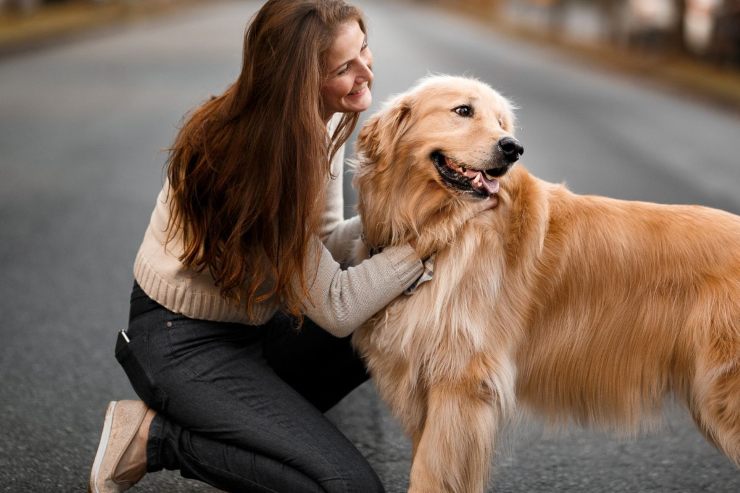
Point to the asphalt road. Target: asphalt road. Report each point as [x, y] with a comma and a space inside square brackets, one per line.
[82, 132]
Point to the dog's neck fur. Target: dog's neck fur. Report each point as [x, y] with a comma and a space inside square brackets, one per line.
[520, 220]
[522, 215]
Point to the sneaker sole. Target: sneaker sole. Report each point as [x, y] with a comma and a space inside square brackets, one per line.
[92, 486]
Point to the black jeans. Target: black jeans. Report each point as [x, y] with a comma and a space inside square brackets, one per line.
[241, 407]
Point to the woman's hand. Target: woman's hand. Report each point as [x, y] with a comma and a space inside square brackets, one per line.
[441, 229]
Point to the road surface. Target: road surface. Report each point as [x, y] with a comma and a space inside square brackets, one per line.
[83, 133]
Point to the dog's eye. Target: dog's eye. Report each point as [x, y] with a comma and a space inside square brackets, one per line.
[464, 111]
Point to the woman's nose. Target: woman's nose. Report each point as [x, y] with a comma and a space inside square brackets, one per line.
[367, 69]
[367, 74]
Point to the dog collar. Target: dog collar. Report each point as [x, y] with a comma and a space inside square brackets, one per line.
[424, 277]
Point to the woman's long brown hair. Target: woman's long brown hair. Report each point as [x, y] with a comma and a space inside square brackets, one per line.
[248, 169]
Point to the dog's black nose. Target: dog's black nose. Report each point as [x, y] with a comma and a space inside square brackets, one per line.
[511, 148]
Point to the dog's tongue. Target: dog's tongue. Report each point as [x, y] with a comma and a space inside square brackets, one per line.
[477, 179]
[480, 182]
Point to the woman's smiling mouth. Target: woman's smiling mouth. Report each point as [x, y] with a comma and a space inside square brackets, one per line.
[359, 91]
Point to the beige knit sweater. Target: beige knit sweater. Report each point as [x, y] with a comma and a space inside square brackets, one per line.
[340, 300]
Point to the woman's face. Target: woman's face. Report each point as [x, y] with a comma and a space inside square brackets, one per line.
[349, 62]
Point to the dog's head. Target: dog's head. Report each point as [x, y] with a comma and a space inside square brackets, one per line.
[446, 142]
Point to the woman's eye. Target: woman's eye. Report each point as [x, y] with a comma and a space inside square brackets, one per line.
[464, 111]
[343, 71]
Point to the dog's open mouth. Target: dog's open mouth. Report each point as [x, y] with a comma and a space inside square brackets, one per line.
[479, 182]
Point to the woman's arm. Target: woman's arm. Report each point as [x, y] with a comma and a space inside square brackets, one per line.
[341, 240]
[337, 233]
[341, 300]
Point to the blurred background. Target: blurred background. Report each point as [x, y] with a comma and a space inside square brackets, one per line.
[635, 99]
[706, 30]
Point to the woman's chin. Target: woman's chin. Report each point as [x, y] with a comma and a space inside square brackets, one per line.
[359, 102]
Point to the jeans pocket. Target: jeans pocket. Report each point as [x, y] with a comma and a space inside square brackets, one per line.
[199, 347]
[129, 354]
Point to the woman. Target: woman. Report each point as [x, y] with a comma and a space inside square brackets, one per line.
[239, 315]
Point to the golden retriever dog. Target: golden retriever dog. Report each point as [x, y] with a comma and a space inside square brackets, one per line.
[577, 308]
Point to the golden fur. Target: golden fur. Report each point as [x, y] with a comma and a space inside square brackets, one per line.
[575, 307]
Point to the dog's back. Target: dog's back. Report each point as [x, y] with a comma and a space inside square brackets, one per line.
[633, 301]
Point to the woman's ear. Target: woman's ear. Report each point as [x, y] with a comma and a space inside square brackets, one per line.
[377, 139]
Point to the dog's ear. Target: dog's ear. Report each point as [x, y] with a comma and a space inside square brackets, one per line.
[379, 135]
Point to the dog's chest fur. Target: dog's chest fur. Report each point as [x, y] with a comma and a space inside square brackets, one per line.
[436, 334]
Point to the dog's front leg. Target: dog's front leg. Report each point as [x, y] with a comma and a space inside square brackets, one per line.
[454, 450]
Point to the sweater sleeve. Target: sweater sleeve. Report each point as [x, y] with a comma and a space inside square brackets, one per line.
[341, 240]
[337, 233]
[333, 213]
[341, 300]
